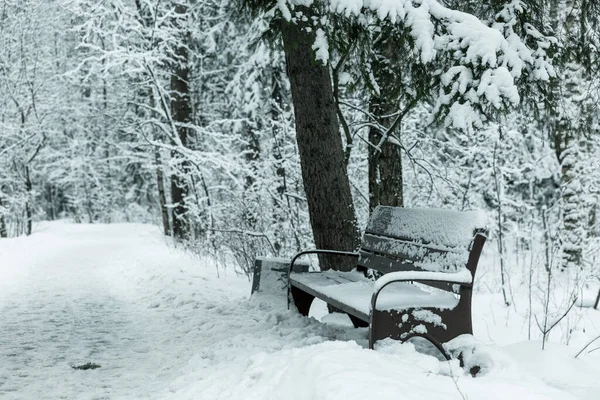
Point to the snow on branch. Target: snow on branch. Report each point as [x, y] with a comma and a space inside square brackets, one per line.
[479, 64]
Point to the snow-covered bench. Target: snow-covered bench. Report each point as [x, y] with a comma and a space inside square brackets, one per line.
[426, 260]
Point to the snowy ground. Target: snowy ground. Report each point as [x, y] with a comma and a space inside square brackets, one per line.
[162, 325]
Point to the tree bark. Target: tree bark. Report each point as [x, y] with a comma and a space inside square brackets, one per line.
[565, 148]
[160, 178]
[570, 188]
[181, 112]
[324, 173]
[162, 198]
[252, 156]
[566, 126]
[3, 230]
[280, 214]
[28, 212]
[385, 166]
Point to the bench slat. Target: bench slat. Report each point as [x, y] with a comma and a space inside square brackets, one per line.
[387, 265]
[405, 249]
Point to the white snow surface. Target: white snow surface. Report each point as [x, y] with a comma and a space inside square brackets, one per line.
[321, 47]
[163, 325]
[429, 317]
[447, 229]
[462, 276]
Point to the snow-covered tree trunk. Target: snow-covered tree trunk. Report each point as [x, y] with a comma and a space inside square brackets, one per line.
[181, 113]
[252, 158]
[160, 176]
[324, 173]
[569, 126]
[3, 230]
[570, 188]
[276, 106]
[162, 197]
[28, 205]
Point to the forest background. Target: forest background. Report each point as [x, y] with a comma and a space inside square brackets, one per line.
[262, 128]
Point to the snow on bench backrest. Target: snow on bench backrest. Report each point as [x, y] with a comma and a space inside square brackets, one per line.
[423, 239]
[445, 228]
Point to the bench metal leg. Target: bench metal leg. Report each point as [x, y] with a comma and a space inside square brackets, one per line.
[302, 300]
[431, 340]
[384, 325]
[392, 324]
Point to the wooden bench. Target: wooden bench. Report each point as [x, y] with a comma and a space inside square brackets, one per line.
[426, 260]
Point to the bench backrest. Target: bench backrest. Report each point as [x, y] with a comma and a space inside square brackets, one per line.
[405, 239]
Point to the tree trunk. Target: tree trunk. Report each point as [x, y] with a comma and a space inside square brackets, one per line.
[280, 213]
[52, 198]
[324, 173]
[28, 212]
[573, 231]
[252, 156]
[181, 112]
[160, 178]
[162, 197]
[565, 130]
[565, 147]
[88, 202]
[385, 166]
[385, 163]
[3, 230]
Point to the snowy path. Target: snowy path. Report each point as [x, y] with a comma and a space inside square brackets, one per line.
[74, 295]
[162, 326]
[117, 296]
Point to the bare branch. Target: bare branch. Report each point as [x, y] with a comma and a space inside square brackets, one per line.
[587, 345]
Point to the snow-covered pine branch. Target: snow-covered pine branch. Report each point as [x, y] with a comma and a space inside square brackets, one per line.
[479, 64]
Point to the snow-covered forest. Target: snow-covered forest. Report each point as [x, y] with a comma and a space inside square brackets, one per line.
[260, 128]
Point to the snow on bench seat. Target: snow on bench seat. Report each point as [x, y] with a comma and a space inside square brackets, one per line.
[351, 292]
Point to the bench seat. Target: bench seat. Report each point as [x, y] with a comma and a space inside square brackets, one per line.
[351, 292]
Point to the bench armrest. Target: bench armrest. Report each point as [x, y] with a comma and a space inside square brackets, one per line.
[319, 251]
[313, 251]
[463, 278]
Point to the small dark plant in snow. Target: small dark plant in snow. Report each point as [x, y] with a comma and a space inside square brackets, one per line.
[85, 367]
